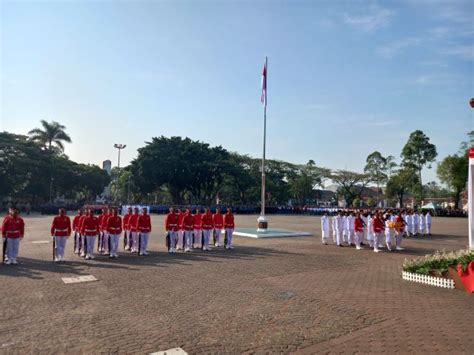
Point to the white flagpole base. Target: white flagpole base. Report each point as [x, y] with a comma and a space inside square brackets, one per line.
[262, 224]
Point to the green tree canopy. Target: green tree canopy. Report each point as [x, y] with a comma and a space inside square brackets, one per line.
[51, 136]
[453, 171]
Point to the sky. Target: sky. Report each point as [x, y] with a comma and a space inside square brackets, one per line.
[345, 78]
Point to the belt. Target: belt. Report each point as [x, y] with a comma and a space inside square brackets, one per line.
[90, 230]
[6, 232]
[61, 230]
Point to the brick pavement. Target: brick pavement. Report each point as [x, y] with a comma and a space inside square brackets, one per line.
[265, 296]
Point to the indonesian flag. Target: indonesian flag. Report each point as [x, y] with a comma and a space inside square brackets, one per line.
[263, 98]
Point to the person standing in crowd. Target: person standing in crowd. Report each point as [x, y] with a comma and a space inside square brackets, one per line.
[378, 227]
[77, 233]
[416, 223]
[207, 227]
[229, 226]
[171, 227]
[345, 228]
[359, 231]
[406, 219]
[90, 229]
[13, 230]
[370, 230]
[350, 229]
[133, 224]
[218, 221]
[105, 234]
[127, 237]
[180, 243]
[399, 228]
[144, 228]
[82, 247]
[114, 229]
[100, 218]
[324, 228]
[60, 231]
[428, 223]
[388, 231]
[188, 225]
[333, 226]
[197, 240]
[422, 224]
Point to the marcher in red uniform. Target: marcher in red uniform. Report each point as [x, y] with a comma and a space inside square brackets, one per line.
[77, 233]
[399, 228]
[60, 231]
[359, 231]
[378, 225]
[180, 242]
[229, 228]
[90, 229]
[105, 235]
[114, 229]
[207, 227]
[127, 238]
[82, 247]
[171, 226]
[100, 242]
[188, 225]
[197, 239]
[132, 222]
[218, 220]
[13, 230]
[144, 228]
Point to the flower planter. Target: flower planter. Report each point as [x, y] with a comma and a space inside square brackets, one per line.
[429, 280]
[453, 274]
[467, 278]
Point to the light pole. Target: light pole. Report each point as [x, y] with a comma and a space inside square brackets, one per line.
[119, 147]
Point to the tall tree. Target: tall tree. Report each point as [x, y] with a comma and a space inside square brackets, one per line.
[351, 184]
[400, 183]
[390, 165]
[453, 171]
[417, 153]
[375, 168]
[51, 136]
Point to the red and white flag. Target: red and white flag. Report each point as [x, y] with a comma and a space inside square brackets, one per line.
[263, 98]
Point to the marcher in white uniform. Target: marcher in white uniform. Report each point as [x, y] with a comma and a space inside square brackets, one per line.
[345, 228]
[334, 232]
[324, 228]
[428, 223]
[422, 224]
[388, 232]
[416, 223]
[370, 231]
[351, 229]
[339, 227]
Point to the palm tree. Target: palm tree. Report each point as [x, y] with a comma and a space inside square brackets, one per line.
[52, 133]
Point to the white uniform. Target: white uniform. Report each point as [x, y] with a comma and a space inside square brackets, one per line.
[406, 218]
[415, 223]
[422, 224]
[428, 223]
[351, 229]
[324, 229]
[388, 234]
[338, 226]
[334, 232]
[370, 231]
[345, 229]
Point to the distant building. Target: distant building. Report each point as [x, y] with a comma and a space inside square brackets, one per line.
[107, 166]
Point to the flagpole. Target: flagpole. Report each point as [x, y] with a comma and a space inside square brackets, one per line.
[262, 221]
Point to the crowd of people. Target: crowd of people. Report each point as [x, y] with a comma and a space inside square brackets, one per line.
[184, 231]
[353, 227]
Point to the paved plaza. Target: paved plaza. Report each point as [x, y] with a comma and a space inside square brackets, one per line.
[277, 295]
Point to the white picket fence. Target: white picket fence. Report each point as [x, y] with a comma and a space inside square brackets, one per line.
[429, 280]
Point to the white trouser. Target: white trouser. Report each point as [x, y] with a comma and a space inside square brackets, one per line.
[77, 242]
[422, 229]
[415, 228]
[188, 236]
[180, 239]
[105, 242]
[114, 243]
[334, 235]
[134, 246]
[324, 235]
[428, 228]
[126, 239]
[206, 233]
[60, 247]
[345, 233]
[377, 240]
[370, 238]
[359, 236]
[388, 237]
[228, 233]
[13, 246]
[350, 236]
[339, 237]
[197, 238]
[143, 242]
[218, 232]
[398, 238]
[173, 239]
[90, 240]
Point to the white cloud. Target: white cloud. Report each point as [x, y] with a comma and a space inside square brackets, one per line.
[315, 107]
[393, 48]
[460, 51]
[371, 19]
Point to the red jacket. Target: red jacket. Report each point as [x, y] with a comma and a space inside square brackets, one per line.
[180, 220]
[103, 222]
[13, 227]
[132, 222]
[206, 220]
[61, 226]
[229, 220]
[81, 222]
[197, 221]
[218, 220]
[90, 226]
[144, 223]
[114, 225]
[126, 221]
[171, 222]
[188, 222]
[358, 224]
[76, 222]
[378, 225]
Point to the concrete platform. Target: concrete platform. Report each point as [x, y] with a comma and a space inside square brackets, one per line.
[270, 233]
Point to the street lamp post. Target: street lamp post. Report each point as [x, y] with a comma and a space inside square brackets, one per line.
[119, 147]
